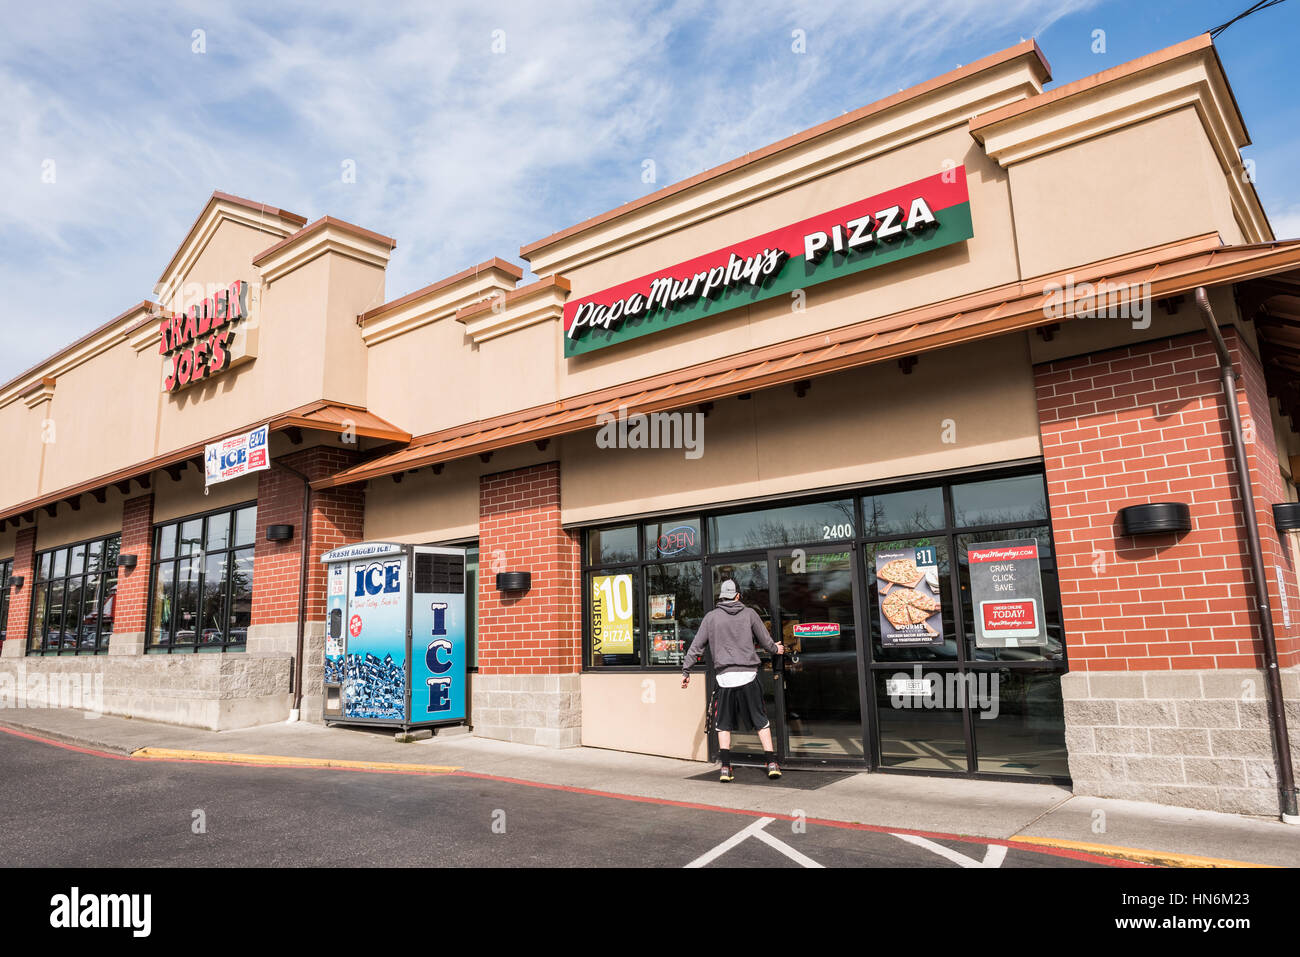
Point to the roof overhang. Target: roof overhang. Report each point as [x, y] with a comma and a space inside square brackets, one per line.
[322, 416]
[1161, 272]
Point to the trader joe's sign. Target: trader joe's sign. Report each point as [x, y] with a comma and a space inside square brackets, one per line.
[1007, 589]
[201, 341]
[880, 229]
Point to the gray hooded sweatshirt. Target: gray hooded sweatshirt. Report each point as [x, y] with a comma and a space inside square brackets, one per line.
[729, 632]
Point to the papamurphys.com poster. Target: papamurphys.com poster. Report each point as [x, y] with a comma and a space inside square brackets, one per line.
[908, 593]
[612, 601]
[374, 670]
[1006, 587]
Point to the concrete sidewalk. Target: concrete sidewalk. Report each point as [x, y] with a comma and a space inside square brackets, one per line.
[1004, 811]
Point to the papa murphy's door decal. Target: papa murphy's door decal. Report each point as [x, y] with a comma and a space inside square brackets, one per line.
[374, 629]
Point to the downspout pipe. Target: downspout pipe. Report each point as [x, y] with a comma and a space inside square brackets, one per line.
[1276, 707]
[296, 713]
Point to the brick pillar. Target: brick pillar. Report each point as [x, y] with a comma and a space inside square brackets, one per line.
[529, 646]
[1166, 699]
[131, 605]
[337, 518]
[20, 599]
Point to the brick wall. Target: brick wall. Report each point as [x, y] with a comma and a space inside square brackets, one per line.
[519, 530]
[131, 606]
[337, 518]
[20, 599]
[1147, 424]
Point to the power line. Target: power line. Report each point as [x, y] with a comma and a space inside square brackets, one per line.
[1255, 8]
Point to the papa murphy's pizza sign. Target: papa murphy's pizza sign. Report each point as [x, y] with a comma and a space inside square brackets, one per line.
[927, 214]
[1006, 587]
[201, 341]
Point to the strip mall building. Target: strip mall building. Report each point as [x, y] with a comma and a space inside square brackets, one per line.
[912, 364]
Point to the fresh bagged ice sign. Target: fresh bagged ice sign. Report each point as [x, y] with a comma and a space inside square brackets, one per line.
[373, 688]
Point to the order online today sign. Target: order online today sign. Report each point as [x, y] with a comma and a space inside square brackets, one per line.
[901, 222]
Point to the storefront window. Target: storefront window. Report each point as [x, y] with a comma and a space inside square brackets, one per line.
[1020, 723]
[72, 600]
[672, 538]
[607, 546]
[1028, 588]
[201, 594]
[675, 609]
[613, 618]
[786, 525]
[1021, 498]
[6, 571]
[902, 513]
[894, 634]
[920, 724]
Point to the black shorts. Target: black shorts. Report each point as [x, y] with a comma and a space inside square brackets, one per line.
[741, 708]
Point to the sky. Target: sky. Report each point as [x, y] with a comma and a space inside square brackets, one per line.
[465, 130]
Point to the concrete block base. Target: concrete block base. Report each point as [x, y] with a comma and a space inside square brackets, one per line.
[1196, 739]
[543, 710]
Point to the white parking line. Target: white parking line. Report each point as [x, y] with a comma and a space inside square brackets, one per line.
[754, 830]
[993, 856]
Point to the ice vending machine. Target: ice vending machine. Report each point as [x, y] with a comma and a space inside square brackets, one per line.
[395, 650]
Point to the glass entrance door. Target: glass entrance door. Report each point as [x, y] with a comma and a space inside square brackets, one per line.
[821, 693]
[806, 599]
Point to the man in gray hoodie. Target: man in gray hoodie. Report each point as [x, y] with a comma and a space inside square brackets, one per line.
[729, 631]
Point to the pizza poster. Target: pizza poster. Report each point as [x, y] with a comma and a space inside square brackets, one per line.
[1006, 587]
[907, 588]
[612, 624]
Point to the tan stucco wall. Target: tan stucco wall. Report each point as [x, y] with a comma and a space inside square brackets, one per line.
[173, 500]
[644, 713]
[20, 467]
[858, 426]
[427, 379]
[1146, 184]
[91, 521]
[426, 508]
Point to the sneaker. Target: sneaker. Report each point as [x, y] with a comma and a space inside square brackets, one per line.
[726, 774]
[773, 769]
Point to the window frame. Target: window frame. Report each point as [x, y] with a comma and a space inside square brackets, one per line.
[105, 571]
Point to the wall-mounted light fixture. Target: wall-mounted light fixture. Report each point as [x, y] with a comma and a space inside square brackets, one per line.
[126, 561]
[279, 533]
[1156, 518]
[514, 581]
[1286, 516]
[16, 582]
